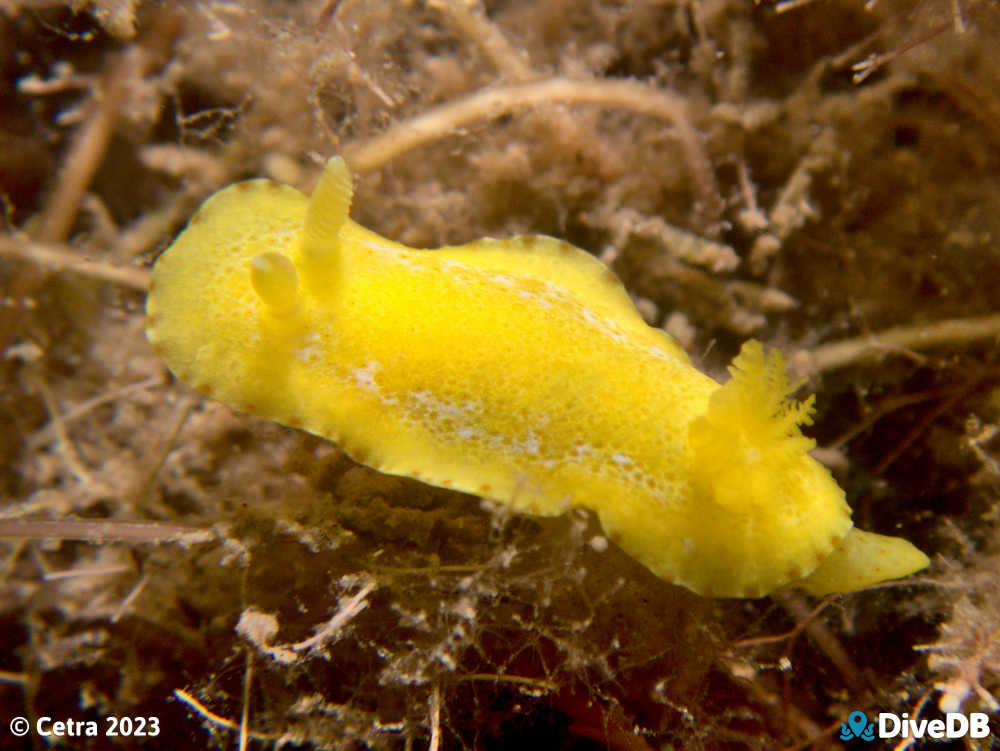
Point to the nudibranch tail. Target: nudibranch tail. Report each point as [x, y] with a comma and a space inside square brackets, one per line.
[518, 370]
[861, 560]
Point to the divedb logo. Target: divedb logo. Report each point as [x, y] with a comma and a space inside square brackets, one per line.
[889, 725]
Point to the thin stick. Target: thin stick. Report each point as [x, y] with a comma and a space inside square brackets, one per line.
[65, 446]
[90, 142]
[435, 718]
[534, 683]
[471, 21]
[919, 429]
[130, 598]
[181, 413]
[16, 549]
[886, 407]
[245, 717]
[215, 719]
[89, 147]
[58, 257]
[103, 531]
[791, 633]
[73, 573]
[204, 711]
[488, 104]
[872, 347]
[345, 613]
[872, 63]
[46, 434]
[826, 640]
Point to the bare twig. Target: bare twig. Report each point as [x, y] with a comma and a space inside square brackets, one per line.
[86, 154]
[91, 141]
[103, 531]
[435, 713]
[924, 423]
[131, 597]
[58, 257]
[826, 640]
[245, 715]
[66, 447]
[7, 676]
[259, 628]
[215, 719]
[951, 332]
[90, 144]
[471, 21]
[488, 104]
[179, 416]
[204, 711]
[75, 573]
[48, 433]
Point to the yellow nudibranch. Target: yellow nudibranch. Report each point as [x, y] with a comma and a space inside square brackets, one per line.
[517, 370]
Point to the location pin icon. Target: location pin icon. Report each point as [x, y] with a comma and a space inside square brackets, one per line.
[858, 722]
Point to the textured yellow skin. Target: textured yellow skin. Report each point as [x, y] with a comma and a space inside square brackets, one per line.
[517, 370]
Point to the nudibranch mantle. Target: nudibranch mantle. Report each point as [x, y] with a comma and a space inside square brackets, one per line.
[518, 370]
